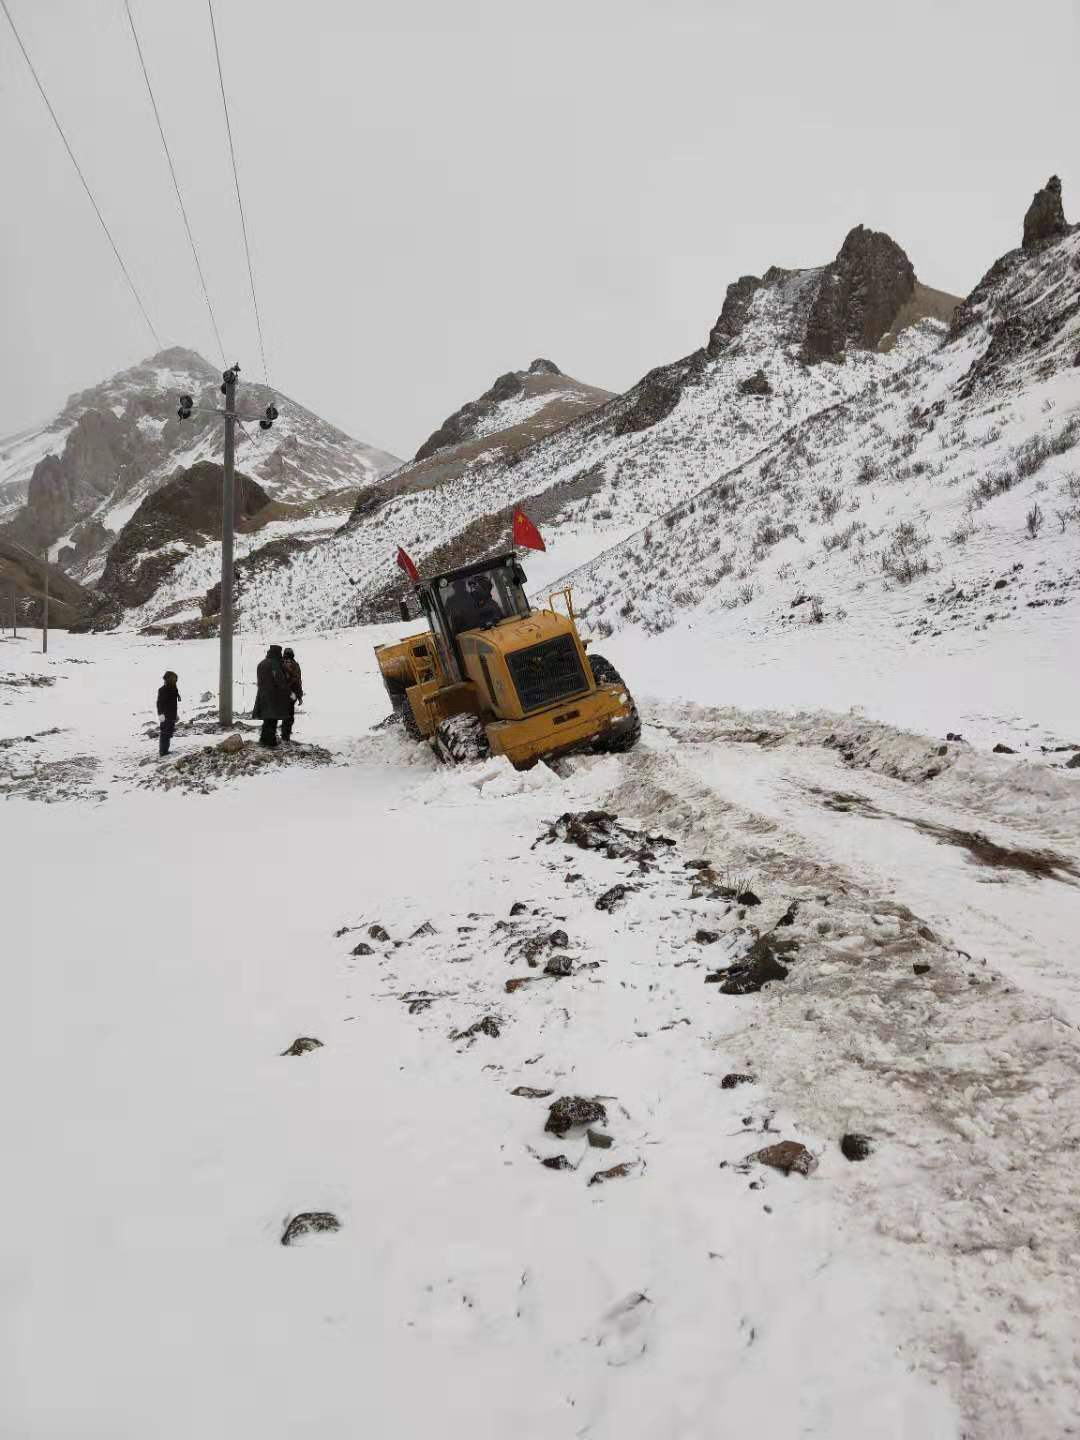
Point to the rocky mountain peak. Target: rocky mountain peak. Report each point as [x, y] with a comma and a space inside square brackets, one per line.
[467, 422]
[861, 293]
[737, 302]
[1045, 218]
[540, 366]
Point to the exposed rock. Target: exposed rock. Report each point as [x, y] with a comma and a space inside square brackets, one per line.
[377, 932]
[518, 983]
[729, 1082]
[311, 1222]
[530, 1092]
[71, 606]
[737, 303]
[302, 1045]
[756, 384]
[758, 967]
[559, 966]
[232, 744]
[707, 937]
[611, 898]
[571, 1112]
[855, 1146]
[1074, 763]
[656, 396]
[556, 1162]
[1000, 749]
[747, 897]
[787, 1156]
[518, 908]
[1045, 218]
[617, 1172]
[489, 1026]
[362, 949]
[859, 297]
[184, 512]
[463, 424]
[540, 366]
[920, 967]
[598, 1140]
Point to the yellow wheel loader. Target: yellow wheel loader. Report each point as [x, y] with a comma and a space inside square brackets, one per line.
[492, 675]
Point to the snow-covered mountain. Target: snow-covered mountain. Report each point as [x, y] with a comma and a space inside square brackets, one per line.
[72, 483]
[786, 346]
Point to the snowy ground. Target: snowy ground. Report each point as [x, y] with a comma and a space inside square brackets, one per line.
[164, 947]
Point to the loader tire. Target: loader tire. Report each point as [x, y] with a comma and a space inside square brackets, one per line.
[627, 736]
[403, 711]
[461, 740]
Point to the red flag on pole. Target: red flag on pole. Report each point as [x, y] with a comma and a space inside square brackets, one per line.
[406, 564]
[526, 534]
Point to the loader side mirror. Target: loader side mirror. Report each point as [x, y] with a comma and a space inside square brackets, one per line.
[403, 608]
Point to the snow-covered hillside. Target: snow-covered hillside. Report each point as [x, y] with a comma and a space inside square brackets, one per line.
[83, 474]
[633, 457]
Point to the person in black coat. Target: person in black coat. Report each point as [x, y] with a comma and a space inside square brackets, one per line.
[295, 678]
[168, 697]
[273, 701]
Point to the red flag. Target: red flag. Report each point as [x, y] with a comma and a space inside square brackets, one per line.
[406, 564]
[526, 533]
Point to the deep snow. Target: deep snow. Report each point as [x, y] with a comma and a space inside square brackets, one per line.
[164, 948]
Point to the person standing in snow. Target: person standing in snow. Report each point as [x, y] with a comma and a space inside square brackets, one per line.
[273, 700]
[296, 690]
[168, 697]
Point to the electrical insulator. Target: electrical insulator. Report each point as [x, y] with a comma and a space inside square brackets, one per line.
[271, 416]
[184, 410]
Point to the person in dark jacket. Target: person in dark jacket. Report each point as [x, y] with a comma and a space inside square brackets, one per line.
[168, 697]
[273, 699]
[296, 690]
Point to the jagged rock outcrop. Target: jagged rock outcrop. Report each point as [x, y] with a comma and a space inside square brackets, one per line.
[87, 540]
[185, 512]
[540, 366]
[757, 384]
[1045, 218]
[860, 295]
[657, 395]
[737, 302]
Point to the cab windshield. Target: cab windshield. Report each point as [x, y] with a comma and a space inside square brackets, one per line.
[485, 598]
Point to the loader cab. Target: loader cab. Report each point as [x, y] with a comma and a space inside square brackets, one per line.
[476, 597]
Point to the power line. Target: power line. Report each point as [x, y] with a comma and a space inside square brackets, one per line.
[176, 183]
[236, 179]
[82, 177]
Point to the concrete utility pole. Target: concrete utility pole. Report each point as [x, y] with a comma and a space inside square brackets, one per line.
[228, 521]
[45, 611]
[14, 613]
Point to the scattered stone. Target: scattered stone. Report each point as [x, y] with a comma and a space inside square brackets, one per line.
[377, 932]
[788, 917]
[1074, 763]
[925, 933]
[757, 384]
[954, 735]
[570, 1112]
[856, 1147]
[343, 931]
[489, 1026]
[558, 939]
[1000, 584]
[1000, 749]
[570, 878]
[729, 1082]
[943, 750]
[231, 745]
[786, 1155]
[529, 1092]
[518, 908]
[426, 929]
[302, 1044]
[559, 966]
[617, 1172]
[598, 1140]
[707, 937]
[311, 1222]
[921, 968]
[748, 898]
[517, 982]
[362, 949]
[757, 968]
[611, 898]
[556, 1162]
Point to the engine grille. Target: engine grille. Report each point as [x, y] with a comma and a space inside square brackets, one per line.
[547, 672]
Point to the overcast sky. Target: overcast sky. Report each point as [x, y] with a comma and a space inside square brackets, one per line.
[441, 190]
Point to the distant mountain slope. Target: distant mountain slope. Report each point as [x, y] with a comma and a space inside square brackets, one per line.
[77, 479]
[638, 454]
